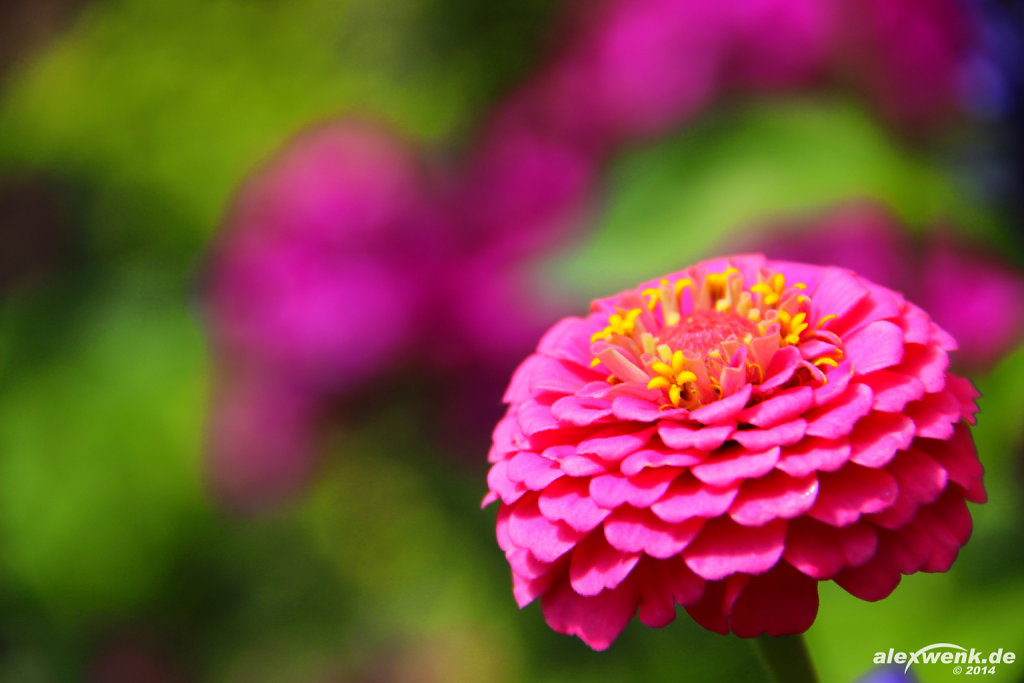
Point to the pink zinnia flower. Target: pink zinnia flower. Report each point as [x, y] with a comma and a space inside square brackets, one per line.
[724, 439]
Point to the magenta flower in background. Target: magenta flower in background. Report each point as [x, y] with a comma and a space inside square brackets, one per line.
[317, 251]
[909, 56]
[724, 439]
[312, 290]
[932, 270]
[629, 70]
[339, 265]
[263, 438]
[781, 44]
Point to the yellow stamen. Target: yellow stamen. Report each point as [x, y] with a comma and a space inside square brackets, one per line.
[659, 382]
[662, 368]
[677, 361]
[685, 376]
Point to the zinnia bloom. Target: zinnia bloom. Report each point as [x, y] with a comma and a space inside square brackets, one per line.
[724, 439]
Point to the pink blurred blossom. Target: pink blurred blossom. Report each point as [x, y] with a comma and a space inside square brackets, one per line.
[344, 264]
[263, 438]
[319, 250]
[630, 70]
[906, 55]
[724, 439]
[314, 288]
[781, 43]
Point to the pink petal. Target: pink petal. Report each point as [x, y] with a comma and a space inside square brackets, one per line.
[498, 482]
[542, 440]
[780, 370]
[927, 363]
[724, 409]
[775, 496]
[683, 437]
[811, 549]
[568, 500]
[779, 408]
[821, 551]
[554, 376]
[916, 325]
[875, 346]
[663, 585]
[519, 386]
[577, 465]
[636, 409]
[568, 340]
[580, 411]
[529, 529]
[631, 531]
[893, 390]
[839, 417]
[947, 519]
[733, 464]
[540, 374]
[845, 495]
[616, 442]
[762, 439]
[526, 590]
[597, 620]
[858, 543]
[897, 515]
[688, 497]
[882, 304]
[534, 418]
[525, 565]
[919, 476]
[618, 363]
[836, 294]
[935, 415]
[713, 608]
[612, 490]
[503, 438]
[873, 580]
[596, 566]
[501, 528]
[659, 456]
[965, 393]
[959, 457]
[781, 602]
[724, 547]
[837, 379]
[534, 471]
[814, 455]
[912, 547]
[878, 437]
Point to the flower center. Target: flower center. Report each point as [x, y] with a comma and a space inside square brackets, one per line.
[702, 338]
[703, 330]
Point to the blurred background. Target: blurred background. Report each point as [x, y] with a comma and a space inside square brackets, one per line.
[266, 267]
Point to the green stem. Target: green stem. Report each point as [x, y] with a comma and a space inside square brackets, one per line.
[786, 659]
